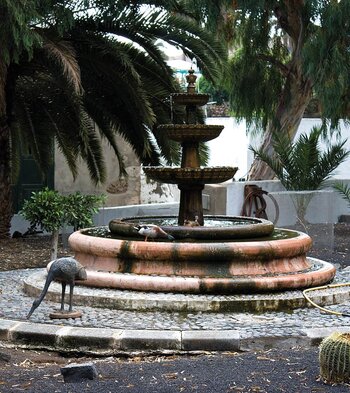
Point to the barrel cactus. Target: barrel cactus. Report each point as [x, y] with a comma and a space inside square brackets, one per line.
[334, 357]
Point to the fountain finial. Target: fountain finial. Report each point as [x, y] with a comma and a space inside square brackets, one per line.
[191, 80]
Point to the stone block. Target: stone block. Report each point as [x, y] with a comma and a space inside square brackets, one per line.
[5, 357]
[73, 373]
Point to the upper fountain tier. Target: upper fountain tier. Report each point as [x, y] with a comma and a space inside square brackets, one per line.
[192, 99]
[191, 132]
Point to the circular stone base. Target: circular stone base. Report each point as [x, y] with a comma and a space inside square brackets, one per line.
[65, 314]
[147, 301]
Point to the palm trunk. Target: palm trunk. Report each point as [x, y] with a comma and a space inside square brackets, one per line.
[295, 98]
[5, 167]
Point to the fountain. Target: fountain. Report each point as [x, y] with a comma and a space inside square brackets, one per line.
[210, 254]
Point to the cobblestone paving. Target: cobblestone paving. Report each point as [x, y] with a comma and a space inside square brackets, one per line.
[14, 304]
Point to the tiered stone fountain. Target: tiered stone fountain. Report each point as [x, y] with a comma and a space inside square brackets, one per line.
[221, 255]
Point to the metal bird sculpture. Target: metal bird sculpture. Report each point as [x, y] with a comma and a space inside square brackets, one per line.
[65, 270]
[153, 232]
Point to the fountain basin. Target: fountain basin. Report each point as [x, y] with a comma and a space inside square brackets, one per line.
[207, 267]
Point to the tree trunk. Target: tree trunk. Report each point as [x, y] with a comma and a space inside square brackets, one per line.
[54, 244]
[295, 98]
[5, 167]
[297, 90]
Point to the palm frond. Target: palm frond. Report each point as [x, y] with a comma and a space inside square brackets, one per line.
[84, 84]
[63, 55]
[344, 190]
[303, 165]
[91, 149]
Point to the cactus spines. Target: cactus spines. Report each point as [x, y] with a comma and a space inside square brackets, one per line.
[334, 357]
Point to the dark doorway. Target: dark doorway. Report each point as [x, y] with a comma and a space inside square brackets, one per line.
[29, 179]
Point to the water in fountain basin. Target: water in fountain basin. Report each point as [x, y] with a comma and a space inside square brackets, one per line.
[277, 234]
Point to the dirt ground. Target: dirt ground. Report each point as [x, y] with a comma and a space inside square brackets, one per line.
[27, 252]
[39, 371]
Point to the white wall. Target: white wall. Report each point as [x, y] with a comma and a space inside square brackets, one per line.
[230, 148]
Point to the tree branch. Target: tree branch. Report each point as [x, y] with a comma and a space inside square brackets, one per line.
[285, 70]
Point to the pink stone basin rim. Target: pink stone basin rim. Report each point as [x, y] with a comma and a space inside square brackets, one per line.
[202, 285]
[217, 267]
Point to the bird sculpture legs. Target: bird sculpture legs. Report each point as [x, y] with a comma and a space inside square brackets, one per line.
[71, 288]
[61, 313]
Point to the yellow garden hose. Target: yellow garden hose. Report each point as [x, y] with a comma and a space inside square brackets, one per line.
[305, 291]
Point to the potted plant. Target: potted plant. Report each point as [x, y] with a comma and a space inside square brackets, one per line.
[303, 165]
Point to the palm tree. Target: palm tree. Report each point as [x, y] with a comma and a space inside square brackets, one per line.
[66, 75]
[344, 190]
[302, 165]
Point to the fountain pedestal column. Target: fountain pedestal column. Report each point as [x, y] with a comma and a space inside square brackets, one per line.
[190, 203]
[190, 155]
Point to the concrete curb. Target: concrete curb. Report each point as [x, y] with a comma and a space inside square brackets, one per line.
[112, 341]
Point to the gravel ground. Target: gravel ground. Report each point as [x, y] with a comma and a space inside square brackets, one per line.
[295, 370]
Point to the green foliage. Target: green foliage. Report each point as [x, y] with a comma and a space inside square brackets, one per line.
[274, 44]
[253, 94]
[302, 165]
[44, 209]
[76, 79]
[79, 209]
[51, 211]
[217, 93]
[20, 21]
[326, 59]
[344, 190]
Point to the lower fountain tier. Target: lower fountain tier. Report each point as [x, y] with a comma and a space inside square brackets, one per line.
[190, 176]
[124, 299]
[225, 267]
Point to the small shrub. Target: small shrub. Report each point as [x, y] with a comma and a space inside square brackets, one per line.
[80, 208]
[51, 211]
[45, 209]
